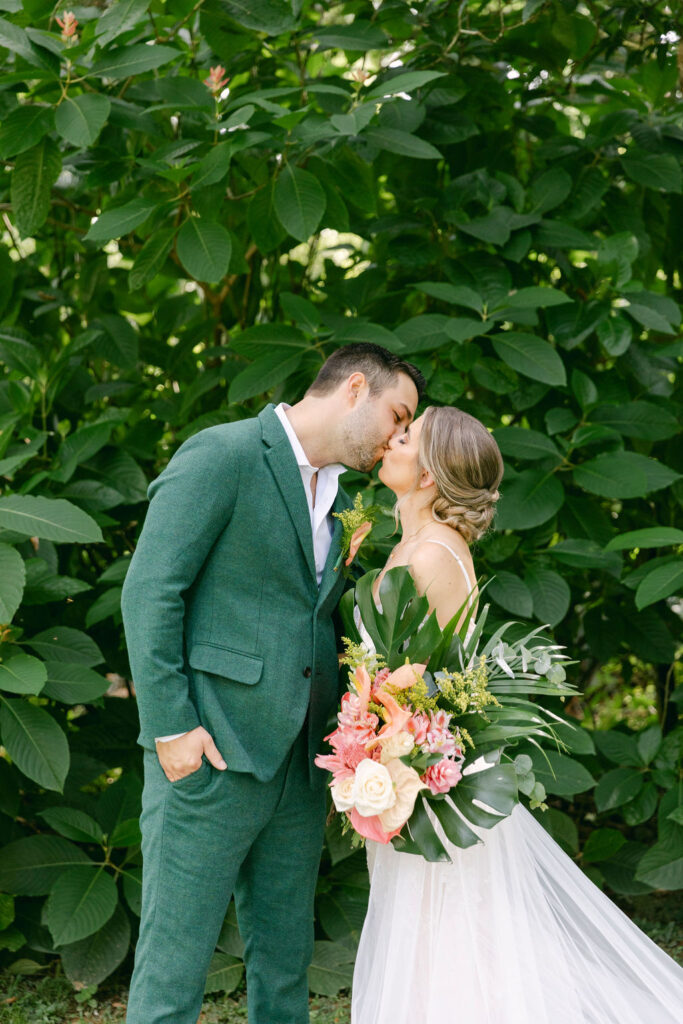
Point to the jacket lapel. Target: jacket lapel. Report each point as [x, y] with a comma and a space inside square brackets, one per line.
[330, 577]
[283, 465]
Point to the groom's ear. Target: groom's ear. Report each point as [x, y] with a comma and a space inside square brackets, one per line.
[356, 385]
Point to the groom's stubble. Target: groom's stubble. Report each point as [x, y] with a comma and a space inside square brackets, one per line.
[362, 439]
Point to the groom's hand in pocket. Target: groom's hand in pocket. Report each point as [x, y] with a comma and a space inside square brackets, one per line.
[183, 756]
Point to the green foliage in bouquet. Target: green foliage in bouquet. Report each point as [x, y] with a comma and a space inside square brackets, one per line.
[487, 691]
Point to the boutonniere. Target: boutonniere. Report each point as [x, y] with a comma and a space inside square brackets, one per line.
[356, 525]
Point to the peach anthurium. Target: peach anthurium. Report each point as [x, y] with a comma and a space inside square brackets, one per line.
[363, 684]
[404, 677]
[395, 718]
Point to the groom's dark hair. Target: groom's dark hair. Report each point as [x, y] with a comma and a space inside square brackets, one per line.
[380, 367]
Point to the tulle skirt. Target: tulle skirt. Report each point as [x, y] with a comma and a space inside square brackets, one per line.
[511, 932]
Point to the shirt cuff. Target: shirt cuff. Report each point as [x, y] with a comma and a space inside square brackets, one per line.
[165, 739]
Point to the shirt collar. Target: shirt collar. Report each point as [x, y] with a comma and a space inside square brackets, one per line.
[334, 469]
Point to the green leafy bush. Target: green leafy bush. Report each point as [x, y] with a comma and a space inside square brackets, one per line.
[494, 194]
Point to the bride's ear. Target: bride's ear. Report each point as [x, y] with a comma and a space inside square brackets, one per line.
[426, 479]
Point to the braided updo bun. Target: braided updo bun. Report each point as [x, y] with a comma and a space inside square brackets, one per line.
[467, 467]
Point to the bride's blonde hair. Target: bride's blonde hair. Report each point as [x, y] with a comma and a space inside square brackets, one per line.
[467, 467]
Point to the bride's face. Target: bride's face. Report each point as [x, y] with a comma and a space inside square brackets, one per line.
[399, 466]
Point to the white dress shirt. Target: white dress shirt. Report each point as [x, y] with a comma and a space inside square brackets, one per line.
[327, 486]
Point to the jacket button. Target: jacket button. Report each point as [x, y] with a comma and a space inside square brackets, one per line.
[307, 672]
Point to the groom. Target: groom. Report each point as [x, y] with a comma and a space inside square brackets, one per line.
[227, 608]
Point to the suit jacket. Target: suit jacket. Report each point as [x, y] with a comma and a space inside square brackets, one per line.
[224, 621]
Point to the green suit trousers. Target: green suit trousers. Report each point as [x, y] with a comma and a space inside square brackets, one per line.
[205, 837]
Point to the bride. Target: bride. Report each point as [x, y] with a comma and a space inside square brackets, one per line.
[512, 931]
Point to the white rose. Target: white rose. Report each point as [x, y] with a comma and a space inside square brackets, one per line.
[373, 789]
[398, 745]
[407, 784]
[342, 794]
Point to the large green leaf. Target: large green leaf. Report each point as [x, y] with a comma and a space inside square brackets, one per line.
[457, 831]
[299, 201]
[117, 342]
[496, 787]
[23, 128]
[35, 743]
[402, 81]
[73, 824]
[81, 901]
[22, 674]
[12, 579]
[511, 593]
[73, 683]
[81, 119]
[649, 537]
[64, 643]
[225, 973]
[623, 475]
[331, 968]
[126, 61]
[638, 419]
[361, 35]
[529, 499]
[89, 961]
[121, 220]
[617, 787]
[204, 248]
[662, 866]
[264, 373]
[530, 356]
[31, 866]
[653, 170]
[118, 18]
[523, 443]
[402, 143]
[661, 582]
[34, 174]
[560, 774]
[151, 257]
[50, 518]
[549, 190]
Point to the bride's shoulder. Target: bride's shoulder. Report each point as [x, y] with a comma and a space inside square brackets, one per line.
[440, 553]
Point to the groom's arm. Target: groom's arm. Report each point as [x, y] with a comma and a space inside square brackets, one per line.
[190, 505]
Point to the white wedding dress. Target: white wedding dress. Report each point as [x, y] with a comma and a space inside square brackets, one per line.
[511, 932]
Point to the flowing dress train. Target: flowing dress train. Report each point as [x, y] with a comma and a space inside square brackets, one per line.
[511, 932]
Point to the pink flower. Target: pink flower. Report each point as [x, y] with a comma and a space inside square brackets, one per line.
[418, 727]
[215, 82]
[352, 716]
[381, 678]
[349, 751]
[439, 739]
[442, 776]
[68, 25]
[371, 827]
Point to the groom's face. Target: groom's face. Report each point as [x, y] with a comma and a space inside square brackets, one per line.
[376, 421]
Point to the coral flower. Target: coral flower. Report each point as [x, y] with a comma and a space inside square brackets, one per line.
[371, 827]
[396, 718]
[215, 82]
[68, 25]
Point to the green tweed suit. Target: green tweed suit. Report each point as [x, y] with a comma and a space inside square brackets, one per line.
[226, 628]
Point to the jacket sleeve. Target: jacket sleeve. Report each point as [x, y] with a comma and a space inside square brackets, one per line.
[191, 503]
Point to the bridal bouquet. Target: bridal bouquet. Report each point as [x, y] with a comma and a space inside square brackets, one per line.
[406, 734]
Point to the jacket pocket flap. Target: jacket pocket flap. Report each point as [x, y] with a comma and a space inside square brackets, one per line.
[222, 661]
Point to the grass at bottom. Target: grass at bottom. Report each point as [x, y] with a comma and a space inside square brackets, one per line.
[52, 1000]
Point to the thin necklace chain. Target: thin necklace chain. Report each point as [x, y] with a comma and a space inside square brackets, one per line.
[408, 540]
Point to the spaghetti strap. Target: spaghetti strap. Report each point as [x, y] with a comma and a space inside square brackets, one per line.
[442, 544]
